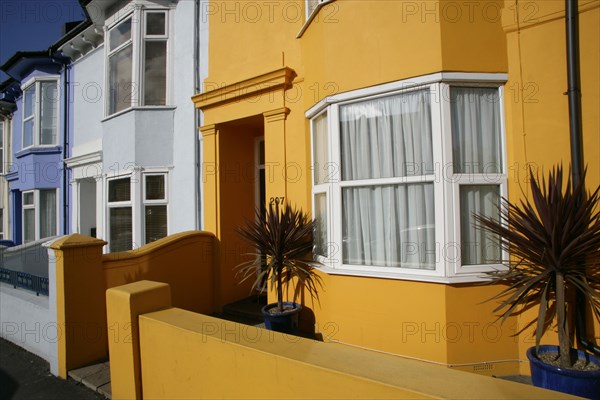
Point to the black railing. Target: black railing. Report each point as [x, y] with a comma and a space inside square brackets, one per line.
[37, 284]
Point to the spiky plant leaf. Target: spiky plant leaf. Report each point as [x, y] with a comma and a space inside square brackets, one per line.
[554, 243]
[284, 237]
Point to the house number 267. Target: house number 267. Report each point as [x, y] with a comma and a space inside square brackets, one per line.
[276, 200]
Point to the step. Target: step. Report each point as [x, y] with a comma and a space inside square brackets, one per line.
[95, 376]
[245, 311]
[249, 307]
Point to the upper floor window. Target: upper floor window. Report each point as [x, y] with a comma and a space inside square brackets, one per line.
[40, 113]
[399, 173]
[137, 60]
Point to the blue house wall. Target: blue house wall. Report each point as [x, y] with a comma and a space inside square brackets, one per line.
[38, 167]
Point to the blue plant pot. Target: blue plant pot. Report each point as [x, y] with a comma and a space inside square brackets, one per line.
[285, 322]
[579, 383]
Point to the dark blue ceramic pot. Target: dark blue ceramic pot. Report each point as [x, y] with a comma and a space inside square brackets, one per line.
[579, 383]
[285, 322]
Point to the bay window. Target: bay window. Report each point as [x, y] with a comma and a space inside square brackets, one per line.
[40, 113]
[398, 172]
[137, 60]
[39, 214]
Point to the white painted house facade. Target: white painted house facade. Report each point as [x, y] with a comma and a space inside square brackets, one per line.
[134, 156]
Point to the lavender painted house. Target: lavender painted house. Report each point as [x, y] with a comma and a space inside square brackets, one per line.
[35, 175]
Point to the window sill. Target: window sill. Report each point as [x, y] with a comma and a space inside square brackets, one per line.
[470, 278]
[138, 108]
[51, 149]
[312, 17]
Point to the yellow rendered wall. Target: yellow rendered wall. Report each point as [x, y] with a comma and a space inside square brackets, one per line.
[184, 261]
[471, 35]
[537, 110]
[357, 44]
[536, 107]
[187, 355]
[248, 38]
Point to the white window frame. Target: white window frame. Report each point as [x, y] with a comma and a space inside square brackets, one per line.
[37, 212]
[111, 52]
[37, 111]
[446, 185]
[156, 202]
[137, 13]
[154, 38]
[121, 204]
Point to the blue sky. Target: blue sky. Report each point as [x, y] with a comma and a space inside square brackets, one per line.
[31, 25]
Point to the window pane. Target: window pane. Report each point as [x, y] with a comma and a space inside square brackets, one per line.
[321, 149]
[155, 73]
[389, 226]
[156, 223]
[121, 86]
[120, 34]
[155, 23]
[28, 133]
[119, 190]
[387, 137]
[321, 228]
[478, 246]
[476, 130]
[28, 199]
[29, 99]
[47, 213]
[29, 225]
[120, 229]
[155, 187]
[48, 119]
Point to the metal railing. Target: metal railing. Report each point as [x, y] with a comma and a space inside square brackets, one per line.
[37, 284]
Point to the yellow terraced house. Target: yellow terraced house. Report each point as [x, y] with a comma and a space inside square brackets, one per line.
[392, 122]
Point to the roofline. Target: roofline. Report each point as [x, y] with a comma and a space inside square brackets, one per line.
[83, 25]
[7, 82]
[23, 54]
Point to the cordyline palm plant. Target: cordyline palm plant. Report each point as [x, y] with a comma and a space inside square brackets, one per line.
[284, 238]
[554, 244]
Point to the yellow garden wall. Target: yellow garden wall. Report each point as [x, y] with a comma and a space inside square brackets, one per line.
[184, 260]
[185, 355]
[83, 274]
